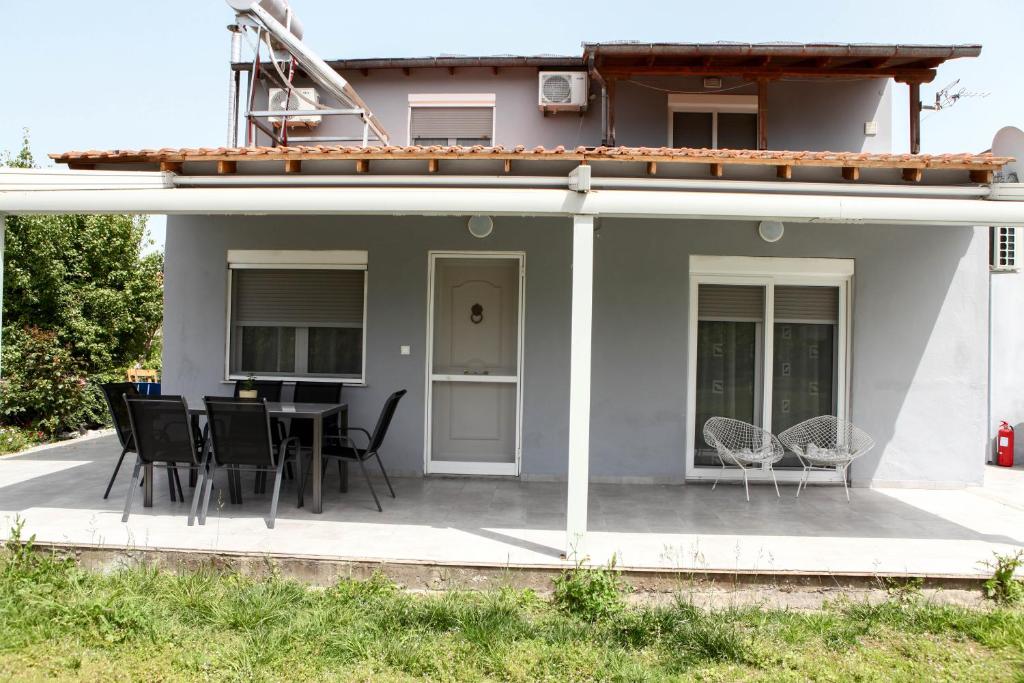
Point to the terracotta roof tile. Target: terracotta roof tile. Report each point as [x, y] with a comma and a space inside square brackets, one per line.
[667, 154]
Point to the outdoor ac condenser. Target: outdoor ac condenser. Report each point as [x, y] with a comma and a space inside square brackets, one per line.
[302, 99]
[562, 91]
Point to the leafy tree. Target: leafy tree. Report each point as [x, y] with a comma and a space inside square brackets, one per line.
[79, 290]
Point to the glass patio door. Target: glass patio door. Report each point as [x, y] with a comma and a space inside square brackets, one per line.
[769, 350]
[474, 388]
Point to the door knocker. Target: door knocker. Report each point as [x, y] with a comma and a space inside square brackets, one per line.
[476, 314]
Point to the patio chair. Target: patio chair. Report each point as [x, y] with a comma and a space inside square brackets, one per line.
[826, 443]
[242, 439]
[266, 389]
[114, 392]
[164, 436]
[314, 392]
[343, 447]
[743, 445]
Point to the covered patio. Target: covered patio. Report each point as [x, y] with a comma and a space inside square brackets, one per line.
[475, 522]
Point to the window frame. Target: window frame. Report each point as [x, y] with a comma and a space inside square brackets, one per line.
[244, 259]
[473, 100]
[710, 104]
[767, 272]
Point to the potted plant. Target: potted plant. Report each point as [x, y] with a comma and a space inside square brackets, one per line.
[248, 389]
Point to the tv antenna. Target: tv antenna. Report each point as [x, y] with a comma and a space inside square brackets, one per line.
[949, 95]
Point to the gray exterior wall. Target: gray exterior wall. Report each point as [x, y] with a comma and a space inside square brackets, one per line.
[814, 114]
[919, 331]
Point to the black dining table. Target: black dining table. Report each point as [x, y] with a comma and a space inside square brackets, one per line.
[317, 412]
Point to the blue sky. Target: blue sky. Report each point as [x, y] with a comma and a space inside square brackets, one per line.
[142, 73]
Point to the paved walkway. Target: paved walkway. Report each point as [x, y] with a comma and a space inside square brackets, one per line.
[58, 491]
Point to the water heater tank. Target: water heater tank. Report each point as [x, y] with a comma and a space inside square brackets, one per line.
[275, 8]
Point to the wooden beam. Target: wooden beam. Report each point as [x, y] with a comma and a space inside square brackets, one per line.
[364, 72]
[81, 166]
[771, 72]
[171, 166]
[494, 70]
[915, 118]
[762, 113]
[717, 170]
[913, 175]
[652, 168]
[292, 166]
[226, 167]
[508, 165]
[610, 141]
[851, 173]
[406, 71]
[981, 176]
[432, 165]
[362, 165]
[451, 71]
[784, 171]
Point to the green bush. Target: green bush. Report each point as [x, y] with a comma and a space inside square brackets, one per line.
[44, 386]
[82, 303]
[1004, 587]
[591, 593]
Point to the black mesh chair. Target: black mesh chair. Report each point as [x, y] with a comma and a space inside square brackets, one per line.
[344, 448]
[164, 436]
[242, 439]
[315, 392]
[266, 389]
[114, 393]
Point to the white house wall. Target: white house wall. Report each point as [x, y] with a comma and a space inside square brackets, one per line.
[919, 331]
[1008, 355]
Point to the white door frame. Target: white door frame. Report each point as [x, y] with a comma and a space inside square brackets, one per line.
[482, 468]
[768, 272]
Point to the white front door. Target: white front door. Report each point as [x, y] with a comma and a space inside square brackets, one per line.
[474, 364]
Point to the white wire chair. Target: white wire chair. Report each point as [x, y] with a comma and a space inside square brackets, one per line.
[743, 445]
[826, 443]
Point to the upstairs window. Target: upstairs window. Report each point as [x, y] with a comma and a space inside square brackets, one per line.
[452, 119]
[712, 121]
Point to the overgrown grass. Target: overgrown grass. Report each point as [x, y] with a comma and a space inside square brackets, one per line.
[59, 621]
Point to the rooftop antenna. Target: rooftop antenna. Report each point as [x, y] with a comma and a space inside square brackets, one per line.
[951, 94]
[274, 22]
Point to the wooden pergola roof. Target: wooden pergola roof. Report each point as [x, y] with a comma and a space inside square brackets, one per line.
[978, 167]
[908, 63]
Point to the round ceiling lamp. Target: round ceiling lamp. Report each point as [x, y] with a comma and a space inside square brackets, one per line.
[771, 231]
[480, 226]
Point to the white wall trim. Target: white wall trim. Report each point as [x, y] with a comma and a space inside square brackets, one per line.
[770, 266]
[452, 99]
[294, 259]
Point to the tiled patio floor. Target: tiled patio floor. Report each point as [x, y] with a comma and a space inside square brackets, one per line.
[58, 492]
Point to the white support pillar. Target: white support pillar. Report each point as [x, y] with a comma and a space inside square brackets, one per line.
[579, 384]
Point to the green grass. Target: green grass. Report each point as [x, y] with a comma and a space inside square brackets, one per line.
[58, 621]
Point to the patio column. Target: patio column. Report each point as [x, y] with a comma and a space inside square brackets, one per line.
[579, 383]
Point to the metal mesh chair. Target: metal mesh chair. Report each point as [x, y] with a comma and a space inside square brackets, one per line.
[344, 448]
[114, 393]
[826, 443]
[241, 437]
[164, 437]
[743, 445]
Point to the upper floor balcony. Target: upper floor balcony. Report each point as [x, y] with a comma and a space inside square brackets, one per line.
[806, 97]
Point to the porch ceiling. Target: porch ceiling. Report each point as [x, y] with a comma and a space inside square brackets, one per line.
[907, 63]
[979, 167]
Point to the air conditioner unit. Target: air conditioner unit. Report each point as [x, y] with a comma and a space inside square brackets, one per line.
[562, 91]
[301, 99]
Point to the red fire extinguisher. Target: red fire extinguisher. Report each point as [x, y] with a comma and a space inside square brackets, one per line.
[1004, 445]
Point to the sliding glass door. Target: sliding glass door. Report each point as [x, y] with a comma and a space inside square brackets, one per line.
[767, 349]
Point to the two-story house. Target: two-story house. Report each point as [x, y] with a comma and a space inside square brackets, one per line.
[571, 262]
